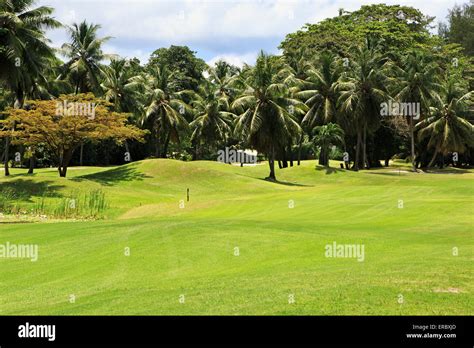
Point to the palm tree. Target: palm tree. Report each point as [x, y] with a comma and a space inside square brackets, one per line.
[325, 137]
[227, 80]
[163, 107]
[85, 54]
[266, 113]
[445, 128]
[119, 89]
[416, 81]
[212, 121]
[319, 91]
[24, 49]
[362, 93]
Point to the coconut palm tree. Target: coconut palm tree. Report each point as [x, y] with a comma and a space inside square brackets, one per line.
[212, 121]
[162, 107]
[326, 136]
[117, 85]
[444, 127]
[24, 49]
[119, 88]
[362, 93]
[266, 112]
[227, 79]
[85, 54]
[319, 91]
[416, 81]
[299, 63]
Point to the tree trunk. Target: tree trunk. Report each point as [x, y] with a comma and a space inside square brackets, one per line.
[17, 105]
[364, 148]
[157, 148]
[357, 157]
[284, 162]
[412, 140]
[321, 160]
[195, 151]
[300, 145]
[7, 155]
[167, 142]
[156, 139]
[432, 159]
[32, 164]
[81, 154]
[271, 163]
[290, 153]
[64, 163]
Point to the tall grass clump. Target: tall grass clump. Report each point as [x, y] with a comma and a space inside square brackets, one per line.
[90, 204]
[7, 198]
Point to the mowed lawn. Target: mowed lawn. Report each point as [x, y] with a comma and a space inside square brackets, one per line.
[243, 245]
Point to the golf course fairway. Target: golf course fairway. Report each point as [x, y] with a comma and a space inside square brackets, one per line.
[242, 245]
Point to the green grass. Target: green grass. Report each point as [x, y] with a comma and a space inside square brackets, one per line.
[190, 251]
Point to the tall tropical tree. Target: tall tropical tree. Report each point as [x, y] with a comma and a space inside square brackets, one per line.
[227, 79]
[326, 136]
[320, 91]
[212, 121]
[117, 85]
[266, 113]
[163, 108]
[362, 93]
[416, 81]
[24, 49]
[84, 52]
[120, 90]
[445, 128]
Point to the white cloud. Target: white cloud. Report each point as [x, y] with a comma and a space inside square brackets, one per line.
[235, 59]
[230, 28]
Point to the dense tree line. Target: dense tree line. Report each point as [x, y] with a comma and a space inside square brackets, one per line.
[324, 96]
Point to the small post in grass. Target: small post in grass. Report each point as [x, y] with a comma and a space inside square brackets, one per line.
[188, 194]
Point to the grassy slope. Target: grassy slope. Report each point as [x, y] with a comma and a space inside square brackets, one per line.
[190, 251]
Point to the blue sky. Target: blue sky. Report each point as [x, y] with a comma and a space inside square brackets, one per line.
[234, 30]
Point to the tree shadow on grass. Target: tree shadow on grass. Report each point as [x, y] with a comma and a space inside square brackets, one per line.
[393, 173]
[329, 170]
[396, 172]
[114, 176]
[26, 189]
[285, 183]
[448, 170]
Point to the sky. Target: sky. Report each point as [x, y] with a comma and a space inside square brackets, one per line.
[233, 30]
